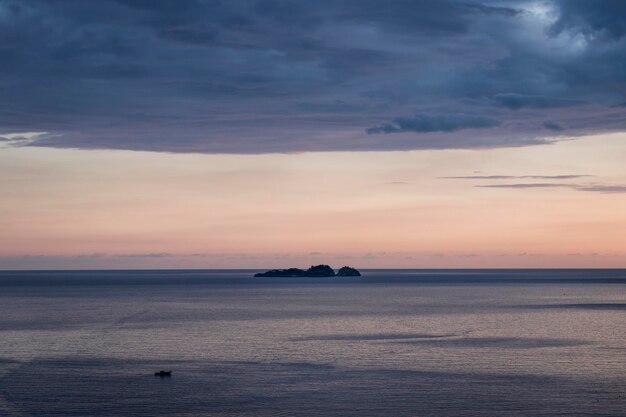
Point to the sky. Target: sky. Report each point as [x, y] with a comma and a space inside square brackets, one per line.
[274, 133]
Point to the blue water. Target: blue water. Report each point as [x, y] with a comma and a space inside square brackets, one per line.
[392, 343]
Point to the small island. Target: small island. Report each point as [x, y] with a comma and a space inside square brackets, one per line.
[347, 271]
[317, 271]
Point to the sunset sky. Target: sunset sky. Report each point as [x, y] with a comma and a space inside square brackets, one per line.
[240, 134]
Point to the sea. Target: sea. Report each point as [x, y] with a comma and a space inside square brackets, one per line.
[390, 343]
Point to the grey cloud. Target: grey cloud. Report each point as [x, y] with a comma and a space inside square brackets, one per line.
[591, 18]
[336, 106]
[20, 139]
[553, 126]
[495, 10]
[257, 76]
[422, 123]
[597, 188]
[190, 35]
[516, 101]
[602, 188]
[430, 17]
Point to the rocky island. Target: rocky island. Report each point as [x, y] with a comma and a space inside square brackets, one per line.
[314, 271]
[347, 271]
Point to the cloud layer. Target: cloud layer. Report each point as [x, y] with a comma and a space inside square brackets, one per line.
[424, 123]
[257, 76]
[589, 187]
[596, 188]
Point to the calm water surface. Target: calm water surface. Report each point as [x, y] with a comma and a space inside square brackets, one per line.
[393, 343]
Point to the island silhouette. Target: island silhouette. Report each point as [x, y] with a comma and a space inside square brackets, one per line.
[319, 271]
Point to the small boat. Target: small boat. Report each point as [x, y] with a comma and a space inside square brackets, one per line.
[163, 373]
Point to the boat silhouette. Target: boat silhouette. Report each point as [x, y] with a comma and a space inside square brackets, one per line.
[163, 373]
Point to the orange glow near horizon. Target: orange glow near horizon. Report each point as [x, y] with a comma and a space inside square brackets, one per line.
[77, 209]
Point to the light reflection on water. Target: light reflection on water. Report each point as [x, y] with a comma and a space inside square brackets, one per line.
[393, 343]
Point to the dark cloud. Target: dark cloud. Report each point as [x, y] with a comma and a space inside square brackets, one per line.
[553, 126]
[254, 76]
[434, 123]
[335, 106]
[593, 19]
[190, 35]
[603, 188]
[597, 188]
[515, 101]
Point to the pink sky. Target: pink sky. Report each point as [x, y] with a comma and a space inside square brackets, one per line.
[122, 209]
